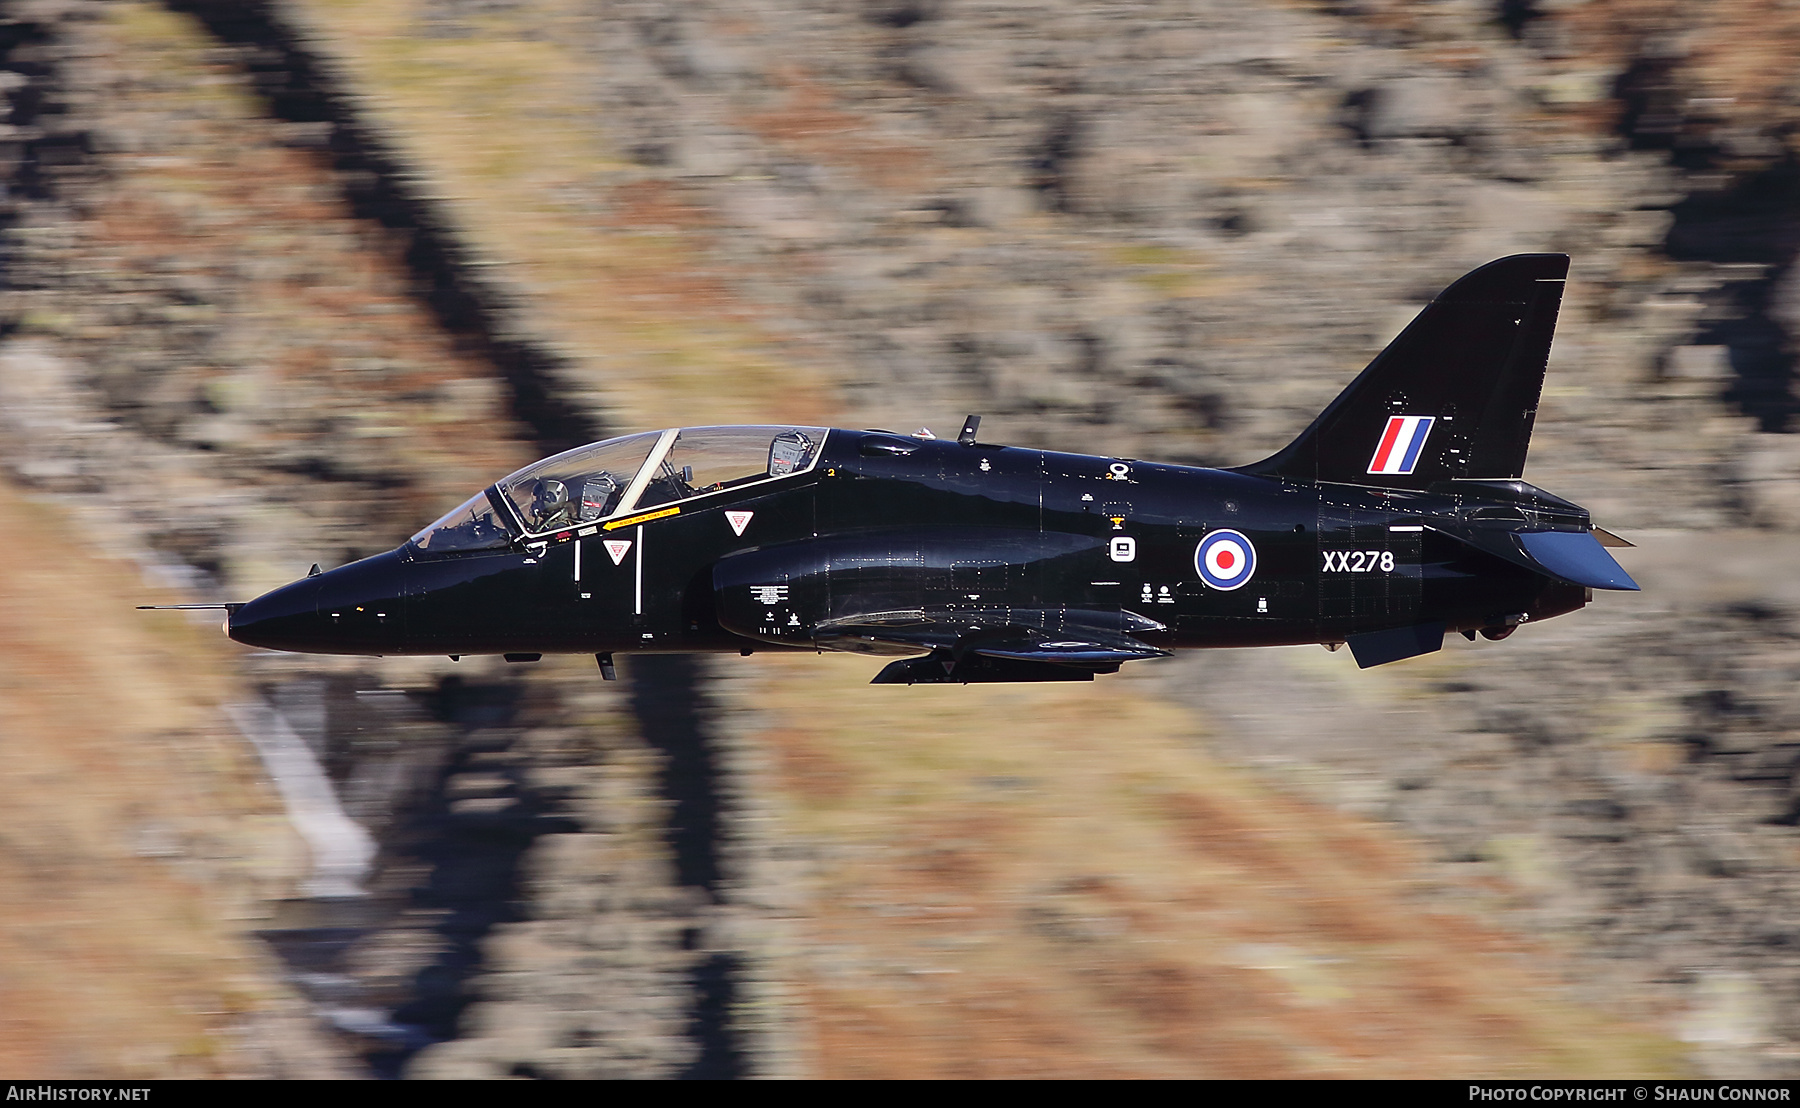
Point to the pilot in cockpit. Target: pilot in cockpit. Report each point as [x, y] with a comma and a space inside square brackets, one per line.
[589, 484]
[549, 504]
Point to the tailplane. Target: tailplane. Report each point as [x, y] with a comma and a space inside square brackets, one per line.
[1453, 396]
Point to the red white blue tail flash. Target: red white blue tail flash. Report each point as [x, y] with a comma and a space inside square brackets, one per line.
[1225, 559]
[1401, 444]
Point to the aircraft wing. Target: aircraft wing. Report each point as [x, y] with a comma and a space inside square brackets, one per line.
[1084, 649]
[979, 646]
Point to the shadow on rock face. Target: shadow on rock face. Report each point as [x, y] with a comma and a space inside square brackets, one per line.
[1736, 216]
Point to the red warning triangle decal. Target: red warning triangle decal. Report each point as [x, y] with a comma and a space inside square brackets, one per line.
[738, 521]
[617, 548]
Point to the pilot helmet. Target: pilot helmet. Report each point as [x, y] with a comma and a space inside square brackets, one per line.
[548, 496]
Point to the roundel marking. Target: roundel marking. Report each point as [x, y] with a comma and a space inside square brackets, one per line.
[1225, 559]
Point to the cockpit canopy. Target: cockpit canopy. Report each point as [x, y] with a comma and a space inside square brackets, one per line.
[612, 478]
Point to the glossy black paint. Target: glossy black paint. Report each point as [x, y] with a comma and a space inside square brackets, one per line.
[1004, 563]
[1483, 342]
[931, 531]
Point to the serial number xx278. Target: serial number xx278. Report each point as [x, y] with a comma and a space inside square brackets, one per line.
[1359, 561]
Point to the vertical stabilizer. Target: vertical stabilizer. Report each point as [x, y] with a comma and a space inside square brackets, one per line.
[1454, 395]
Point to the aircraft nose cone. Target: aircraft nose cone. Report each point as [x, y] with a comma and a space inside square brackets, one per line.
[354, 609]
[286, 618]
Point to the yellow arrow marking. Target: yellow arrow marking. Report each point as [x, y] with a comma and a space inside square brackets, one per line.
[645, 518]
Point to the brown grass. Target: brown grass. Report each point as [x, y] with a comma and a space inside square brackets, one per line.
[1058, 881]
[808, 123]
[529, 177]
[1737, 53]
[355, 345]
[136, 826]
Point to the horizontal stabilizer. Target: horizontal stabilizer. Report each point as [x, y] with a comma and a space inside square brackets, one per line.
[1577, 557]
[1573, 556]
[1378, 648]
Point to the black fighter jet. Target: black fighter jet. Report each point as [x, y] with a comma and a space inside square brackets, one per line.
[1397, 516]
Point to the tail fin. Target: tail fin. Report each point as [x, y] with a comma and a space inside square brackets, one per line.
[1453, 396]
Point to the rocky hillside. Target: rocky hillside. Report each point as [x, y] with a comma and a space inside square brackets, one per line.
[300, 275]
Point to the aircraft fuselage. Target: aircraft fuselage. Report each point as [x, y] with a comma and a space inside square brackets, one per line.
[1397, 516]
[892, 526]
